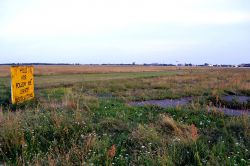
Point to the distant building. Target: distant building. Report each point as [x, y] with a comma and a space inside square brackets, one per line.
[244, 65]
[188, 64]
[228, 65]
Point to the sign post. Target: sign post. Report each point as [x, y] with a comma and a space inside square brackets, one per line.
[22, 83]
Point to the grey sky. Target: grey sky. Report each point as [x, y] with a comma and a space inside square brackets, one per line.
[115, 31]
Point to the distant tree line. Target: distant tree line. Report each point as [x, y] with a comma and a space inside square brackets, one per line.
[127, 64]
[14, 64]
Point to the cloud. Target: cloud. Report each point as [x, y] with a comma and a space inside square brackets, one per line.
[97, 31]
[63, 18]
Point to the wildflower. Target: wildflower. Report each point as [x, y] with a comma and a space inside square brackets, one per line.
[204, 160]
[142, 147]
[176, 139]
[111, 152]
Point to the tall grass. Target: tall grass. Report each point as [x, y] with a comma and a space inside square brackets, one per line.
[89, 123]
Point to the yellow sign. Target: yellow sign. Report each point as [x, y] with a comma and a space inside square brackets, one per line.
[22, 83]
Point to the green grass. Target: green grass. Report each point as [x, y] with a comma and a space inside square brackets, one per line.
[75, 120]
[5, 93]
[47, 81]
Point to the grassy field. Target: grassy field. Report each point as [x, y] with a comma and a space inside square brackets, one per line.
[81, 116]
[83, 69]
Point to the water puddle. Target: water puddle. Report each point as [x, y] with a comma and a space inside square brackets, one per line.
[166, 103]
[163, 103]
[239, 99]
[231, 112]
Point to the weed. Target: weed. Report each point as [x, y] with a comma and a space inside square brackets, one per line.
[83, 119]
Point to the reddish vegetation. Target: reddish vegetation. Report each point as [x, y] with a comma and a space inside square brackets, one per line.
[194, 132]
[70, 69]
[111, 152]
[4, 71]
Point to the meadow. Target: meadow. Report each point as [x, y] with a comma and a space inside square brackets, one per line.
[81, 116]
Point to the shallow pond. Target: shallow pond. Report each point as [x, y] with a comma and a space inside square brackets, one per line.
[232, 112]
[240, 99]
[186, 100]
[163, 103]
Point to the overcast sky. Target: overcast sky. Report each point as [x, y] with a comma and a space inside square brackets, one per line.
[125, 31]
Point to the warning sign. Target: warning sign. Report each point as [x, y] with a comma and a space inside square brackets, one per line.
[22, 83]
